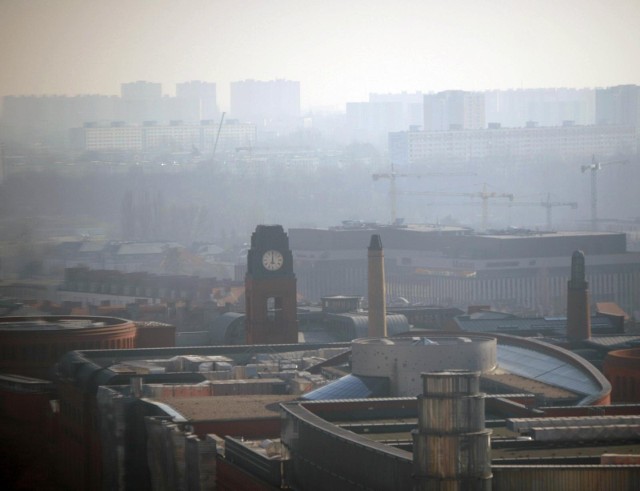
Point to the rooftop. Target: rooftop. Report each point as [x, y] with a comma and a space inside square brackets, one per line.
[56, 323]
[227, 407]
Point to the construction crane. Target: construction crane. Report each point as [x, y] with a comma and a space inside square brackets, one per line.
[594, 167]
[215, 144]
[484, 195]
[549, 205]
[393, 193]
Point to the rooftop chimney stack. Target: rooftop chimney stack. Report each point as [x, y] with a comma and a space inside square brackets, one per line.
[377, 302]
[578, 315]
[451, 446]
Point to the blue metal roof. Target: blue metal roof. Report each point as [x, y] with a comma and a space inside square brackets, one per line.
[350, 387]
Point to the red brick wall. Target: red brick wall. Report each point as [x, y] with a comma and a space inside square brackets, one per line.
[622, 368]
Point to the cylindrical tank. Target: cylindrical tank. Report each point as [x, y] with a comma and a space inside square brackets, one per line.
[451, 447]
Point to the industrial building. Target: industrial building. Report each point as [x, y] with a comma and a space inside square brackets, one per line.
[389, 410]
[31, 345]
[520, 271]
[213, 414]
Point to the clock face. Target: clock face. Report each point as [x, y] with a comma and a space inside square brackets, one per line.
[272, 260]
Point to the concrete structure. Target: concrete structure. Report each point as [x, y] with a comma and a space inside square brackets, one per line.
[451, 447]
[619, 105]
[273, 103]
[141, 101]
[338, 444]
[518, 271]
[508, 364]
[140, 418]
[376, 286]
[517, 108]
[371, 121]
[177, 136]
[454, 110]
[512, 145]
[202, 97]
[47, 119]
[27, 118]
[403, 359]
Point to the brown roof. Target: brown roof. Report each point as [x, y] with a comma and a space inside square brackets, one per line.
[227, 407]
[611, 308]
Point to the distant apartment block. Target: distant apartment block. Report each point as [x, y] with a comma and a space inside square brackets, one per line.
[202, 96]
[175, 137]
[515, 108]
[47, 119]
[371, 121]
[141, 90]
[140, 101]
[619, 105]
[266, 102]
[454, 110]
[512, 144]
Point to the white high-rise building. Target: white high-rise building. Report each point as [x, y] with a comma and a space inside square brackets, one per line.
[619, 105]
[454, 110]
[140, 101]
[200, 97]
[273, 103]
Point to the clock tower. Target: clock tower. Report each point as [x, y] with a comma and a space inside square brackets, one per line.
[270, 288]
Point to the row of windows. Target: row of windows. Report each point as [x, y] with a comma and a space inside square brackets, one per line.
[545, 293]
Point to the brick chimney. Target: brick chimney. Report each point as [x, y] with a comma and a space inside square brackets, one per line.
[377, 303]
[578, 315]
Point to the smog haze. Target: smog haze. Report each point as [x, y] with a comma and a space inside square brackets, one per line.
[339, 51]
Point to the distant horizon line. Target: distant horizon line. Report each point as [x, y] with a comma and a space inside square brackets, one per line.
[336, 106]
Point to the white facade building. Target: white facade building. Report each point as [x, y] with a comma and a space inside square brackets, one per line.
[174, 137]
[460, 146]
[454, 109]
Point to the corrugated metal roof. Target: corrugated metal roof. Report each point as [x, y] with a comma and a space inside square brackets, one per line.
[396, 323]
[531, 324]
[350, 387]
[545, 368]
[219, 331]
[614, 342]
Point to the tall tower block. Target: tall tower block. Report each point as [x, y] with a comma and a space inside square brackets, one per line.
[578, 315]
[376, 290]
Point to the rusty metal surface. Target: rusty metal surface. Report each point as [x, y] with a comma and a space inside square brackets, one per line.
[565, 478]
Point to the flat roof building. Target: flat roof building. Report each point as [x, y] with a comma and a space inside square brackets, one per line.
[519, 271]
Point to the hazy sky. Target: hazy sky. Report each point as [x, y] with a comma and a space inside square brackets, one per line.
[340, 50]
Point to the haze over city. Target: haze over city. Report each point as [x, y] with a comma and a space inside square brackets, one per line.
[339, 51]
[311, 245]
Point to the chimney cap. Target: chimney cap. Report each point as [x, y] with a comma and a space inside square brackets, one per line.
[376, 243]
